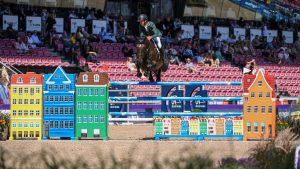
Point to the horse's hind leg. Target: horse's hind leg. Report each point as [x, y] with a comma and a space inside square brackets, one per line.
[158, 74]
[151, 79]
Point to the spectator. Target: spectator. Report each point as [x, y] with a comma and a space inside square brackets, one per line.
[10, 32]
[20, 46]
[190, 66]
[215, 62]
[250, 67]
[72, 15]
[35, 39]
[89, 54]
[30, 40]
[207, 60]
[174, 57]
[187, 52]
[283, 55]
[121, 25]
[91, 16]
[109, 38]
[131, 65]
[73, 39]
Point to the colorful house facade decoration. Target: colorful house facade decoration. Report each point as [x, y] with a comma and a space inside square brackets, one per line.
[91, 105]
[259, 106]
[59, 89]
[26, 109]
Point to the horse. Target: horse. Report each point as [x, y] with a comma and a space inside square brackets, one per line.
[150, 60]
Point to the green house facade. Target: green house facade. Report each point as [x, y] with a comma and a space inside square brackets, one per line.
[91, 106]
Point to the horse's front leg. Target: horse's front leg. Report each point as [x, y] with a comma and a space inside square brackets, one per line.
[158, 75]
[138, 70]
[151, 79]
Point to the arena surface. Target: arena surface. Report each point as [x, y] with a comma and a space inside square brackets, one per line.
[131, 139]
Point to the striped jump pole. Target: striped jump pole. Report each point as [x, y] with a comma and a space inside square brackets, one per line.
[176, 98]
[173, 83]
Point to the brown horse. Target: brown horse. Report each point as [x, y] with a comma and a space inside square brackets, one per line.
[150, 60]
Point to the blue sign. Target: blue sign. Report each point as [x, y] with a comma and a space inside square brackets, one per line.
[118, 107]
[171, 105]
[190, 91]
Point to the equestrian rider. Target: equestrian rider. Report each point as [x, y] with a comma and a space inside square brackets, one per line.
[148, 29]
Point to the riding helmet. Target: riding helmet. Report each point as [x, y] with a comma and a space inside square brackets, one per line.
[142, 17]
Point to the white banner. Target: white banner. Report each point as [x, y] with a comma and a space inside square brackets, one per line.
[205, 32]
[99, 26]
[254, 32]
[188, 31]
[289, 36]
[271, 35]
[224, 31]
[33, 23]
[116, 27]
[10, 19]
[59, 26]
[75, 23]
[239, 32]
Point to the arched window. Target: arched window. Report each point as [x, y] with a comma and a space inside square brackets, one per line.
[85, 78]
[96, 78]
[32, 80]
[19, 80]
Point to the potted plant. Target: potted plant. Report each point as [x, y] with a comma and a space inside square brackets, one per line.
[4, 124]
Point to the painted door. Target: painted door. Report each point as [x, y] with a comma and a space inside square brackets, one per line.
[220, 126]
[194, 126]
[203, 126]
[238, 126]
[185, 128]
[175, 126]
[229, 127]
[158, 126]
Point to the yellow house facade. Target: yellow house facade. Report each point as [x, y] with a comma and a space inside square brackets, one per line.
[26, 109]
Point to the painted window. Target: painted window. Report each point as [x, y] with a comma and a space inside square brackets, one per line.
[46, 110]
[91, 106]
[96, 120]
[255, 127]
[56, 124]
[255, 109]
[96, 92]
[51, 99]
[101, 105]
[37, 112]
[71, 124]
[14, 101]
[61, 98]
[55, 87]
[61, 110]
[85, 78]
[263, 127]
[263, 109]
[79, 92]
[66, 98]
[96, 78]
[66, 124]
[268, 94]
[91, 92]
[259, 83]
[270, 109]
[79, 119]
[246, 99]
[259, 94]
[20, 101]
[71, 98]
[91, 119]
[84, 119]
[252, 94]
[84, 105]
[101, 119]
[66, 110]
[56, 76]
[26, 101]
[56, 110]
[61, 124]
[84, 91]
[71, 110]
[248, 80]
[32, 80]
[31, 91]
[96, 107]
[37, 124]
[31, 113]
[14, 125]
[26, 90]
[67, 87]
[249, 127]
[20, 91]
[61, 76]
[47, 98]
[61, 87]
[31, 124]
[14, 112]
[79, 105]
[20, 124]
[248, 109]
[25, 112]
[51, 110]
[19, 80]
[37, 101]
[37, 90]
[49, 87]
[25, 124]
[31, 101]
[14, 90]
[56, 98]
[101, 92]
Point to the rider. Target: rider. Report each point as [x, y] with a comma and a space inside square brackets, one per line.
[148, 29]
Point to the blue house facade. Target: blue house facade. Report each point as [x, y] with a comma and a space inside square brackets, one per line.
[59, 110]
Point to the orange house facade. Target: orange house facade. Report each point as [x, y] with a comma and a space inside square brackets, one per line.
[259, 106]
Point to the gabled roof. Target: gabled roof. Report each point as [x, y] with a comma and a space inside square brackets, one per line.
[103, 78]
[59, 68]
[268, 79]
